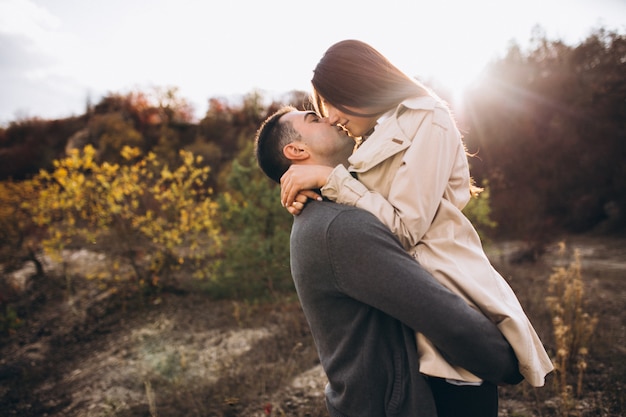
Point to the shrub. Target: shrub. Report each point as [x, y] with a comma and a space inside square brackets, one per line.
[478, 211]
[17, 230]
[149, 220]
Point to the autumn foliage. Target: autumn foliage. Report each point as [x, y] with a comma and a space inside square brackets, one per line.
[165, 197]
[173, 204]
[151, 220]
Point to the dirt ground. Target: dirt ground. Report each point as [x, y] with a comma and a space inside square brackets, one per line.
[84, 351]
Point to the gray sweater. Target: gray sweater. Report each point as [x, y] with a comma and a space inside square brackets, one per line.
[364, 298]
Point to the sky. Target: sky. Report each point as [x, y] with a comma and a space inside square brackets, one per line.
[58, 55]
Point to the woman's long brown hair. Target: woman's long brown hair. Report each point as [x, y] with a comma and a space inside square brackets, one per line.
[352, 73]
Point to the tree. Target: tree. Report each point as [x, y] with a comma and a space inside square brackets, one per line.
[31, 144]
[256, 245]
[548, 128]
[109, 133]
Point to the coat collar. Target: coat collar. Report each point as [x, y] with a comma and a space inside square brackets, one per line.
[388, 137]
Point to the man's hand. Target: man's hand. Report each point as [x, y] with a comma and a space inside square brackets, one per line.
[300, 178]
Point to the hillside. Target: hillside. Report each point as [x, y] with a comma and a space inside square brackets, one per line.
[82, 351]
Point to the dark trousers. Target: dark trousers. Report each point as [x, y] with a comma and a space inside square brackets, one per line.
[464, 400]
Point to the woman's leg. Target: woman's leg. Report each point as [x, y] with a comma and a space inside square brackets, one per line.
[464, 400]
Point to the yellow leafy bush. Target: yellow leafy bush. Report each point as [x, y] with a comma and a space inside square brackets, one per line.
[17, 230]
[154, 218]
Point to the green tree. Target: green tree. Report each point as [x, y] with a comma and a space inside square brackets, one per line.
[257, 228]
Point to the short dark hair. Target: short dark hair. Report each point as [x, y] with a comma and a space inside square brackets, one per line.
[270, 140]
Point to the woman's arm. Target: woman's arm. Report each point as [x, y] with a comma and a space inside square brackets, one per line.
[298, 183]
[434, 159]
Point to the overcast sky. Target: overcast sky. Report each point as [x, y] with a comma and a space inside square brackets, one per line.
[55, 55]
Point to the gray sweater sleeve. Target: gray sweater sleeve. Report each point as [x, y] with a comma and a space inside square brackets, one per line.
[371, 266]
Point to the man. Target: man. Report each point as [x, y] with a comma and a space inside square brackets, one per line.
[364, 297]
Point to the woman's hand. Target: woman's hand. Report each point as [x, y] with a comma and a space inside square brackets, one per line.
[300, 178]
[300, 201]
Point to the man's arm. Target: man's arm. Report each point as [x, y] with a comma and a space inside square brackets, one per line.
[372, 267]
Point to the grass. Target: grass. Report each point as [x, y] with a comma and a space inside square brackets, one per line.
[589, 290]
[183, 353]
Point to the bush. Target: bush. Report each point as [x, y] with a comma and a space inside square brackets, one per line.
[148, 220]
[478, 211]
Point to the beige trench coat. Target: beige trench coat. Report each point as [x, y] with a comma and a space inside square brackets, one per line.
[413, 175]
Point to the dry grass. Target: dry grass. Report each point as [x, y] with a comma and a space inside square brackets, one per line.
[78, 354]
[602, 263]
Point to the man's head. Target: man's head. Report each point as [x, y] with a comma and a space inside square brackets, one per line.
[290, 137]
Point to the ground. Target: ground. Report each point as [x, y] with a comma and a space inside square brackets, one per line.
[84, 351]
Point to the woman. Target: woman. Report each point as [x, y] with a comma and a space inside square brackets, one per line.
[411, 171]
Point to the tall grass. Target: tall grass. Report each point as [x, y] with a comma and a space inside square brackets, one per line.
[573, 328]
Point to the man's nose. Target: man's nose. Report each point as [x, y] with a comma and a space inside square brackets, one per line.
[326, 120]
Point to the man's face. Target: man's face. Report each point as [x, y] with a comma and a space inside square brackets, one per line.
[327, 144]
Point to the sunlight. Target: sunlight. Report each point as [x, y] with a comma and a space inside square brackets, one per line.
[65, 47]
[454, 83]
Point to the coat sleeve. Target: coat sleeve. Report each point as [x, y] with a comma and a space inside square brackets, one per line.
[434, 160]
[378, 272]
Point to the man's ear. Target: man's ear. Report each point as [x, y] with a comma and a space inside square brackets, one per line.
[295, 151]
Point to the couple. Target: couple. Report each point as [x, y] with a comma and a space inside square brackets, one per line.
[354, 264]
